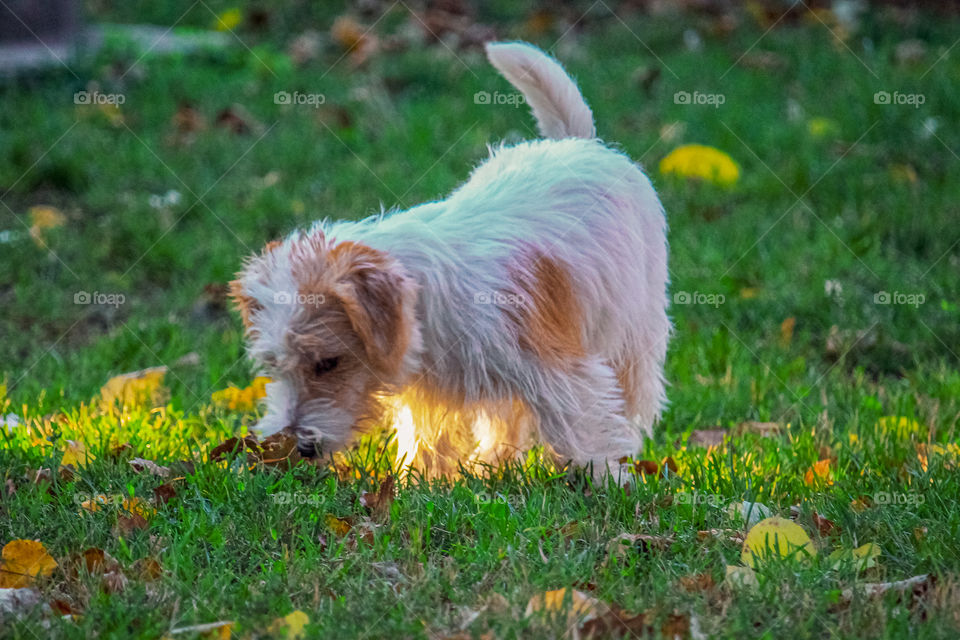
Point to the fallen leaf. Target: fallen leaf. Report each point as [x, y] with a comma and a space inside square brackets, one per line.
[244, 400]
[667, 464]
[639, 542]
[128, 523]
[22, 561]
[824, 526]
[750, 513]
[379, 503]
[233, 446]
[290, 626]
[141, 464]
[582, 607]
[166, 491]
[697, 582]
[75, 454]
[862, 558]
[730, 535]
[648, 467]
[700, 162]
[280, 450]
[776, 537]
[148, 569]
[136, 389]
[339, 526]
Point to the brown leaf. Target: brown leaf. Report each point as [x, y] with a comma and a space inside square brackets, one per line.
[824, 526]
[379, 503]
[166, 491]
[280, 450]
[732, 535]
[148, 569]
[11, 488]
[668, 464]
[697, 582]
[127, 523]
[712, 437]
[233, 446]
[915, 584]
[648, 467]
[639, 542]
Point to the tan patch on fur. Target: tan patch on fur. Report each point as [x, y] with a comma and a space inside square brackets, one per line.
[550, 316]
[627, 377]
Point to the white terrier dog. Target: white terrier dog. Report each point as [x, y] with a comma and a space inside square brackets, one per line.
[529, 306]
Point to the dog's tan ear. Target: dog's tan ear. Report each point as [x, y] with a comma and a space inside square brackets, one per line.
[244, 303]
[379, 299]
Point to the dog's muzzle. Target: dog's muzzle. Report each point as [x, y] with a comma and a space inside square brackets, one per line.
[308, 449]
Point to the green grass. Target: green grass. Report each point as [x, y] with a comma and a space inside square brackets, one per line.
[808, 209]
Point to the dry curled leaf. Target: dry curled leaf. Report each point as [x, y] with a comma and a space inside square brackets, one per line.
[713, 437]
[141, 464]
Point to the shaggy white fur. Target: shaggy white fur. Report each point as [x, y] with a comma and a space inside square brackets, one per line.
[529, 306]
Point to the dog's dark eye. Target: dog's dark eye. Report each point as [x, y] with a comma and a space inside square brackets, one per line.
[325, 366]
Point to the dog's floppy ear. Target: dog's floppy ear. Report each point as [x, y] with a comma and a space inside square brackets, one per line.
[379, 300]
[242, 301]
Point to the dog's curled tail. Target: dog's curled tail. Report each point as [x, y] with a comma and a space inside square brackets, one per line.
[560, 110]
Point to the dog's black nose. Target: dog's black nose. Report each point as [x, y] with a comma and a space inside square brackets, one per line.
[308, 449]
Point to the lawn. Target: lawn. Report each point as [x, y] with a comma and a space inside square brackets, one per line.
[814, 367]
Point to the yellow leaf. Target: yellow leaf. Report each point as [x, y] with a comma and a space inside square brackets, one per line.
[290, 626]
[701, 162]
[21, 561]
[899, 427]
[338, 525]
[228, 20]
[75, 454]
[776, 536]
[137, 389]
[43, 218]
[582, 607]
[246, 399]
[749, 293]
[138, 507]
[863, 557]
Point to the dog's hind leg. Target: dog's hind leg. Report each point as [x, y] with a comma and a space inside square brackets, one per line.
[580, 415]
